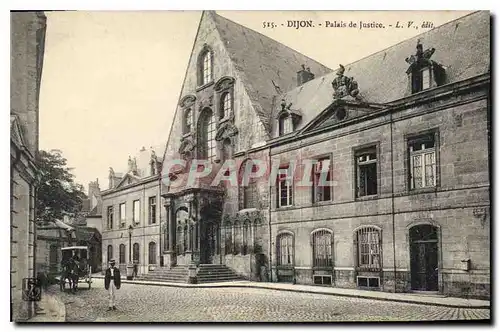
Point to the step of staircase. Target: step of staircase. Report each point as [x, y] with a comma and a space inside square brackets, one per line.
[206, 273]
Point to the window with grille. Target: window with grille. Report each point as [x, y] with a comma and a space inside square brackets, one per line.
[208, 130]
[369, 244]
[366, 172]
[207, 68]
[422, 153]
[285, 250]
[152, 253]
[188, 121]
[136, 252]
[123, 216]
[110, 217]
[322, 191]
[152, 209]
[136, 211]
[322, 248]
[226, 105]
[110, 252]
[284, 187]
[122, 254]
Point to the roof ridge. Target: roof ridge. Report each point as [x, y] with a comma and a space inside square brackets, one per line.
[215, 15]
[390, 47]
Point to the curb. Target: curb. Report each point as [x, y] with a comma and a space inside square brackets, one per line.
[410, 301]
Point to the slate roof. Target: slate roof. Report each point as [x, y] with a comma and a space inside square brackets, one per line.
[263, 63]
[462, 47]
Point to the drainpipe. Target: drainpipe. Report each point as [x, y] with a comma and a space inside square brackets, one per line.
[159, 217]
[270, 271]
[392, 204]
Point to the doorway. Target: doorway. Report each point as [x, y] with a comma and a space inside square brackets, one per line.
[424, 258]
[208, 243]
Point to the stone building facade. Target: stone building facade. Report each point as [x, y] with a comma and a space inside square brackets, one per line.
[27, 49]
[402, 139]
[132, 200]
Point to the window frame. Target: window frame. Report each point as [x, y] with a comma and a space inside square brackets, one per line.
[208, 131]
[417, 78]
[110, 213]
[152, 258]
[363, 150]
[360, 253]
[151, 206]
[187, 121]
[138, 212]
[136, 249]
[328, 248]
[122, 216]
[203, 79]
[285, 125]
[226, 104]
[420, 136]
[316, 176]
[124, 261]
[289, 177]
[289, 255]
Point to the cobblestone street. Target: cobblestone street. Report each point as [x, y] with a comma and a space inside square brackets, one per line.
[140, 303]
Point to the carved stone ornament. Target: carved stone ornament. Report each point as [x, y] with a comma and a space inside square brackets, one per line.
[421, 57]
[187, 146]
[187, 101]
[226, 130]
[224, 83]
[344, 86]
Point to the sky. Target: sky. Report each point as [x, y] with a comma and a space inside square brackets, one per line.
[111, 80]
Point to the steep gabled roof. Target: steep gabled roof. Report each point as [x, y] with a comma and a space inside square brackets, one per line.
[263, 64]
[462, 47]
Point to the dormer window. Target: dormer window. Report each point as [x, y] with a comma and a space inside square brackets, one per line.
[188, 120]
[288, 119]
[285, 125]
[423, 72]
[226, 105]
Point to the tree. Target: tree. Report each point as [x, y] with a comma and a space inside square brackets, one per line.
[58, 194]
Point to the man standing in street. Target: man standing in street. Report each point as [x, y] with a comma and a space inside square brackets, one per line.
[112, 282]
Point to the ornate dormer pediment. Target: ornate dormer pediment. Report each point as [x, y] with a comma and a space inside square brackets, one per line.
[344, 86]
[423, 72]
[421, 58]
[224, 83]
[187, 101]
[287, 110]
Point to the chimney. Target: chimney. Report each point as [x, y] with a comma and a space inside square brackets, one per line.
[304, 75]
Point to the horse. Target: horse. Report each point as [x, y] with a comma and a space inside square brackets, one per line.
[70, 273]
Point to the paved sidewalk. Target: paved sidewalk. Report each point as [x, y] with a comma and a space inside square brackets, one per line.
[50, 309]
[437, 300]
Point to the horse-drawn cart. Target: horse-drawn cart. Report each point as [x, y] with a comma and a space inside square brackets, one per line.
[75, 267]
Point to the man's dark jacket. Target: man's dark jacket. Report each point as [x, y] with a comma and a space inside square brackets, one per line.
[116, 278]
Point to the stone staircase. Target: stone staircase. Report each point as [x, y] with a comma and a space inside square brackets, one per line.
[179, 274]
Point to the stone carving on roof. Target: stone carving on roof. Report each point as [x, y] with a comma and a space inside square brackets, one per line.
[224, 83]
[421, 57]
[344, 86]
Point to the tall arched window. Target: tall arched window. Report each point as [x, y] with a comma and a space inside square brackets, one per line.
[208, 131]
[225, 105]
[248, 186]
[152, 253]
[136, 252]
[368, 245]
[122, 259]
[285, 250]
[110, 252]
[188, 120]
[206, 67]
[322, 248]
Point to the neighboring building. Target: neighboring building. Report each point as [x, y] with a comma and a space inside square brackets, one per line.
[404, 140]
[49, 240]
[133, 199]
[91, 213]
[27, 49]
